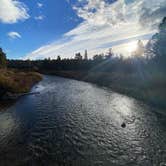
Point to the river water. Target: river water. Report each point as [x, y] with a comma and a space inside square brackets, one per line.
[79, 124]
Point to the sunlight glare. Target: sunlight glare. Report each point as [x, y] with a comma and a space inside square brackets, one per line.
[131, 47]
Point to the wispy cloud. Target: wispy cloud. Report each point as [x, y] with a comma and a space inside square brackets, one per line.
[11, 11]
[13, 35]
[105, 24]
[39, 5]
[41, 17]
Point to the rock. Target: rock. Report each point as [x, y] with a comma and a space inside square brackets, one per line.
[123, 125]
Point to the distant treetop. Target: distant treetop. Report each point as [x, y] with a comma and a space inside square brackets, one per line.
[3, 60]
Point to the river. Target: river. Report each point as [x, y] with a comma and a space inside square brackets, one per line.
[79, 124]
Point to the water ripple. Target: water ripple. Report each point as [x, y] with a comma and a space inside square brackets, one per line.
[77, 123]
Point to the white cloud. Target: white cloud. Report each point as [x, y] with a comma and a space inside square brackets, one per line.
[39, 5]
[12, 11]
[98, 12]
[105, 25]
[14, 35]
[41, 17]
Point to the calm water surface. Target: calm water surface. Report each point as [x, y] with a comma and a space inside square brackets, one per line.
[77, 123]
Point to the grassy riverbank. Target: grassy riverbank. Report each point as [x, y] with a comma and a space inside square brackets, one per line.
[149, 88]
[14, 81]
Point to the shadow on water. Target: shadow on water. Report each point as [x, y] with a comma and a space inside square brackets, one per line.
[4, 105]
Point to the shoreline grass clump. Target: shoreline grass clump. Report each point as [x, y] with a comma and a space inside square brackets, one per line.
[14, 81]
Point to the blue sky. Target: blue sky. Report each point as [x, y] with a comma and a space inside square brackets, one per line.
[37, 29]
[56, 20]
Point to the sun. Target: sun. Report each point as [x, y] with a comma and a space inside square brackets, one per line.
[131, 47]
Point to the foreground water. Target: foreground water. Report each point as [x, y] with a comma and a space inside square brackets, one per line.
[77, 123]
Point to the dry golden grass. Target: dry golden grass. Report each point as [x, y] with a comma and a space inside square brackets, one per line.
[17, 81]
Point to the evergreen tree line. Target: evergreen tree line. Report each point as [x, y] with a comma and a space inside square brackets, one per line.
[154, 58]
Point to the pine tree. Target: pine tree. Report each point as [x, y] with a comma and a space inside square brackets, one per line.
[86, 55]
[78, 56]
[156, 47]
[140, 49]
[110, 54]
[3, 61]
[58, 58]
